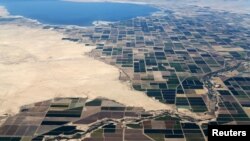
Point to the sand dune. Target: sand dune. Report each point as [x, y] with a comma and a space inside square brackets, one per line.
[36, 65]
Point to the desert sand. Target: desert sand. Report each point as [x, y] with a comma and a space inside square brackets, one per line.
[3, 11]
[36, 65]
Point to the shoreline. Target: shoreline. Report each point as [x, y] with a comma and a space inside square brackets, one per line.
[5, 14]
[155, 104]
[30, 60]
[216, 5]
[110, 1]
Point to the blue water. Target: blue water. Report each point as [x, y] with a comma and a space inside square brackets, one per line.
[59, 12]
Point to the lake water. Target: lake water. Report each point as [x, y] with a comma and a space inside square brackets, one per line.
[59, 12]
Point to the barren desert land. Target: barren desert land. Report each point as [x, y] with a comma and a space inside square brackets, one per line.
[36, 65]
